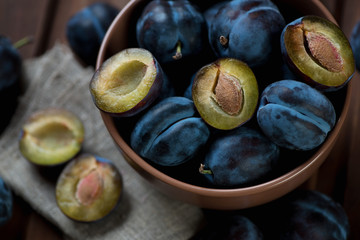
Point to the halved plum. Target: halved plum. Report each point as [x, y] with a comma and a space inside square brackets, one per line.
[127, 83]
[88, 188]
[319, 52]
[225, 93]
[51, 136]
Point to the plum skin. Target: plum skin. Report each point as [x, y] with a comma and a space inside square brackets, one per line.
[239, 157]
[10, 77]
[165, 24]
[250, 29]
[86, 29]
[355, 43]
[169, 133]
[294, 115]
[235, 226]
[6, 202]
[313, 215]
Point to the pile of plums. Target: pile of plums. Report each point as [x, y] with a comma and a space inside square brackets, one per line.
[232, 88]
[301, 214]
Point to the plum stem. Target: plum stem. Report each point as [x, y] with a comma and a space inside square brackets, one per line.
[22, 42]
[223, 40]
[202, 170]
[178, 54]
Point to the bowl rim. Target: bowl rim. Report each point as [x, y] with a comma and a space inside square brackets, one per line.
[312, 163]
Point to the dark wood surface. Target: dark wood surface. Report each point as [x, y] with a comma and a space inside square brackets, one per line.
[45, 21]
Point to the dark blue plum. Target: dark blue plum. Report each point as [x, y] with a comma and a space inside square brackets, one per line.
[86, 30]
[188, 90]
[10, 77]
[6, 202]
[171, 29]
[310, 214]
[233, 227]
[248, 30]
[169, 133]
[294, 115]
[239, 157]
[355, 43]
[210, 13]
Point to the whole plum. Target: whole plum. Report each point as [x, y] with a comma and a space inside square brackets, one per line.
[248, 30]
[188, 90]
[308, 214]
[294, 115]
[171, 29]
[86, 30]
[355, 43]
[210, 13]
[10, 75]
[229, 227]
[239, 157]
[169, 133]
[6, 202]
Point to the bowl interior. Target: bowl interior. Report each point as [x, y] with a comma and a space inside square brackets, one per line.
[296, 168]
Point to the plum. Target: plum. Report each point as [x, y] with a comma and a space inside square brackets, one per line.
[225, 93]
[88, 188]
[51, 137]
[233, 227]
[318, 51]
[169, 133]
[10, 76]
[294, 115]
[128, 82]
[309, 214]
[210, 13]
[188, 91]
[355, 43]
[86, 29]
[6, 202]
[239, 157]
[248, 30]
[171, 29]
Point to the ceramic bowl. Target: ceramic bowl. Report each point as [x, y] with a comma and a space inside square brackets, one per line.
[121, 34]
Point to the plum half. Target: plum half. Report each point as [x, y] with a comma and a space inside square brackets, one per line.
[51, 136]
[319, 52]
[88, 188]
[225, 93]
[127, 83]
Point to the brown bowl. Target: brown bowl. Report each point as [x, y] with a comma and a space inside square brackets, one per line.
[121, 35]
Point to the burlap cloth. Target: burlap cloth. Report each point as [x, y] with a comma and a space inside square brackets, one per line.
[57, 79]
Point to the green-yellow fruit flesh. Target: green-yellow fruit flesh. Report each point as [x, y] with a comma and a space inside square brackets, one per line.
[225, 93]
[123, 80]
[88, 189]
[320, 50]
[51, 137]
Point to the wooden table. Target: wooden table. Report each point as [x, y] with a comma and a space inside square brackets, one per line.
[45, 20]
